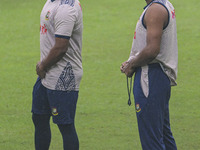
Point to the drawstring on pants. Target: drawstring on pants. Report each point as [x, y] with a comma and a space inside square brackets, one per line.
[129, 90]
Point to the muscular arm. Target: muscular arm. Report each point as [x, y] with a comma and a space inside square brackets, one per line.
[155, 19]
[55, 54]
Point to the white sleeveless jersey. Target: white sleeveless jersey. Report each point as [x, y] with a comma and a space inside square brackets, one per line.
[62, 18]
[168, 55]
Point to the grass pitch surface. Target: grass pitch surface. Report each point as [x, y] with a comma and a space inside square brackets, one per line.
[104, 121]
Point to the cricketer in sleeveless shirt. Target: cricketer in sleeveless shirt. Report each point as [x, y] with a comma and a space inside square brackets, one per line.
[168, 55]
[62, 18]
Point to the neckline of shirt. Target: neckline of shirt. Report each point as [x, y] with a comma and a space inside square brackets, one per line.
[148, 4]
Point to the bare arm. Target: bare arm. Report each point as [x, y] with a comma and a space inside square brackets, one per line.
[55, 54]
[155, 19]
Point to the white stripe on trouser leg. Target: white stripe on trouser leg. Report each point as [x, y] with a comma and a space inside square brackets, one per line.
[145, 80]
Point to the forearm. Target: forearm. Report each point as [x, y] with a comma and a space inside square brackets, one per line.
[52, 58]
[146, 56]
[55, 54]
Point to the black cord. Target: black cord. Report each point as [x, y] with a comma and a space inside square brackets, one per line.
[129, 90]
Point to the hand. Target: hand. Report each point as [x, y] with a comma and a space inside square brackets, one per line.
[40, 70]
[123, 66]
[127, 68]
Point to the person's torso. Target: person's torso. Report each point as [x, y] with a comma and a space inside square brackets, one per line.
[66, 74]
[168, 55]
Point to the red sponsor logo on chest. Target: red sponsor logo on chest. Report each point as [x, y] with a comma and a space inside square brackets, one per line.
[43, 29]
[173, 14]
[135, 35]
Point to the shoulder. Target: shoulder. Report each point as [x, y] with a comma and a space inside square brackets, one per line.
[156, 13]
[71, 7]
[68, 2]
[66, 6]
[157, 9]
[64, 10]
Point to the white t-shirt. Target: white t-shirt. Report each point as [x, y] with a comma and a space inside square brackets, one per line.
[62, 18]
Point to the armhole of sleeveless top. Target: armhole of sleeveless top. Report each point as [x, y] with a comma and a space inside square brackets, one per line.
[168, 16]
[143, 21]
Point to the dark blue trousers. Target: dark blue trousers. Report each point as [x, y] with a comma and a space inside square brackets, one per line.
[153, 110]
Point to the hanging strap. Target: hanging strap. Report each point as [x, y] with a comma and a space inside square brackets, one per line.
[129, 90]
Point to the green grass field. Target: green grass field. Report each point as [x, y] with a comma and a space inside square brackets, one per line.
[104, 121]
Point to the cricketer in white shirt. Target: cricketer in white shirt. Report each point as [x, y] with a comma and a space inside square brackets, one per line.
[62, 19]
